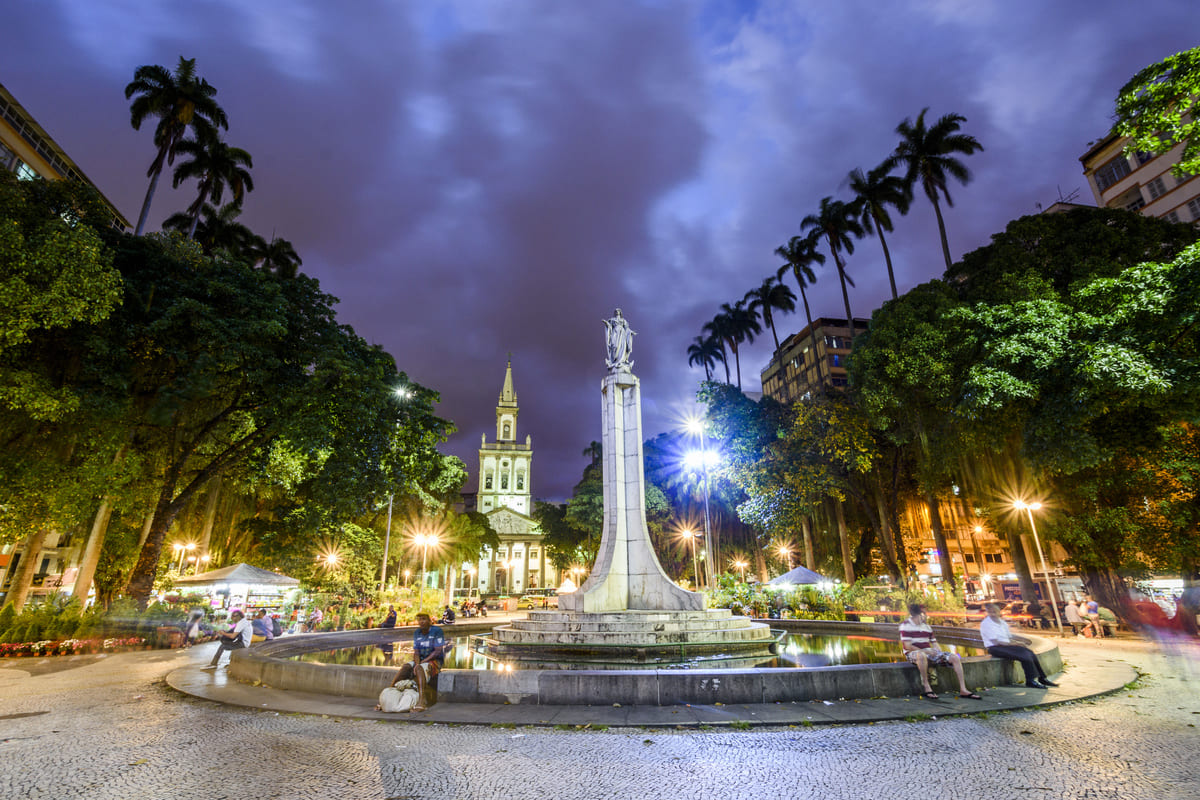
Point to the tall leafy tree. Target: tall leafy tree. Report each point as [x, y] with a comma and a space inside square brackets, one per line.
[1157, 109]
[928, 155]
[874, 193]
[799, 254]
[215, 165]
[706, 351]
[772, 295]
[180, 101]
[838, 223]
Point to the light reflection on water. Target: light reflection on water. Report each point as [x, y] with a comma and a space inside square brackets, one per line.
[796, 650]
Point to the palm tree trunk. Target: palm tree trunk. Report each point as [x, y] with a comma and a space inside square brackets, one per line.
[141, 225]
[199, 206]
[810, 557]
[91, 553]
[737, 360]
[887, 257]
[845, 296]
[812, 333]
[937, 209]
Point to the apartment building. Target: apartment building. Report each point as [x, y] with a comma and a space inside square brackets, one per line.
[1141, 182]
[810, 360]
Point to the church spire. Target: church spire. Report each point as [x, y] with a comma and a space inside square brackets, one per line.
[508, 398]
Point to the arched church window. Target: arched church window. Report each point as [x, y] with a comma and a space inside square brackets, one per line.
[487, 481]
[520, 481]
[504, 481]
[507, 431]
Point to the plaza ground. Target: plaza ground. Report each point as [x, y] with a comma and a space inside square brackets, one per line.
[110, 727]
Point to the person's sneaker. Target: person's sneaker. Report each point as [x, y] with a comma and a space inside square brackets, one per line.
[1034, 684]
[1046, 682]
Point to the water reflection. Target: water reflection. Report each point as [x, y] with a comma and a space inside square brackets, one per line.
[796, 650]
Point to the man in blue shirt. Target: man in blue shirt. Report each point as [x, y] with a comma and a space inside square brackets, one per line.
[429, 653]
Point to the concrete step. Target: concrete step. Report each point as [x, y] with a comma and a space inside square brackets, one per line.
[755, 632]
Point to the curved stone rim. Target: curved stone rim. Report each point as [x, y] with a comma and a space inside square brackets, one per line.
[268, 665]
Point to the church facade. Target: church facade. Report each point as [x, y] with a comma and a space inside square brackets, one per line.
[505, 497]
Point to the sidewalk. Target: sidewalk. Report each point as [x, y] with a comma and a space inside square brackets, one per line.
[1090, 671]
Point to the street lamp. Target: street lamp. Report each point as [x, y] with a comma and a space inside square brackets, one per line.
[387, 540]
[205, 559]
[426, 541]
[1029, 508]
[178, 548]
[470, 571]
[705, 460]
[785, 553]
[691, 536]
[407, 573]
[741, 565]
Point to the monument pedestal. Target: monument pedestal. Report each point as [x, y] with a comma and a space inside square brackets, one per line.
[627, 575]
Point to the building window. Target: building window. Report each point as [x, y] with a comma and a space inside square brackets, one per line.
[1136, 203]
[24, 171]
[1173, 216]
[507, 431]
[1156, 187]
[504, 482]
[1143, 157]
[487, 482]
[1194, 208]
[520, 481]
[835, 360]
[1112, 172]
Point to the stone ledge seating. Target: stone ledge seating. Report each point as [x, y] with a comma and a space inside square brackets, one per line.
[266, 663]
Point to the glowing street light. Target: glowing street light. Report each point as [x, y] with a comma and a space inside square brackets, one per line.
[204, 559]
[1029, 508]
[691, 536]
[407, 574]
[741, 565]
[425, 541]
[470, 570]
[785, 553]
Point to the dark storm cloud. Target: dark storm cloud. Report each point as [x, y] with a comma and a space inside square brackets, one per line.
[479, 178]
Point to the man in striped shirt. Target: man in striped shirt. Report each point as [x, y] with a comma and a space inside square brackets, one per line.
[921, 648]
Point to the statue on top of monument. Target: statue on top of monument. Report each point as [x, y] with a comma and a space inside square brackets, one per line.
[619, 338]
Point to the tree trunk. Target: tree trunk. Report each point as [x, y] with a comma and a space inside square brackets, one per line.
[810, 557]
[760, 565]
[887, 257]
[210, 517]
[937, 209]
[1108, 589]
[939, 539]
[844, 539]
[845, 297]
[30, 558]
[91, 553]
[812, 333]
[886, 541]
[141, 224]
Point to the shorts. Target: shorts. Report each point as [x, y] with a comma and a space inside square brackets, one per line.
[430, 668]
[936, 657]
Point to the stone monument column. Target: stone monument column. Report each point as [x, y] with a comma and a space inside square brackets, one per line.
[627, 575]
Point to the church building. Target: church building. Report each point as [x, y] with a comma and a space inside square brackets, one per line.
[504, 496]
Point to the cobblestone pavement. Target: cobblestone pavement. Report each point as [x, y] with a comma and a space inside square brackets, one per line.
[110, 728]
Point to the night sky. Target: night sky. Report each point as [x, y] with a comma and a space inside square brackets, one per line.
[478, 178]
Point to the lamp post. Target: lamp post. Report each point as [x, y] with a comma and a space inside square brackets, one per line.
[741, 565]
[205, 559]
[407, 573]
[692, 536]
[703, 459]
[178, 548]
[786, 553]
[1029, 508]
[426, 540]
[470, 573]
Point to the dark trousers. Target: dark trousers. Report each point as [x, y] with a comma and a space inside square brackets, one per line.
[1017, 652]
[226, 645]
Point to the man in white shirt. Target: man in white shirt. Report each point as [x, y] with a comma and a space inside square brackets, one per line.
[921, 648]
[234, 639]
[999, 643]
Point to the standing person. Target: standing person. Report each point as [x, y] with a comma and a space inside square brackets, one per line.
[921, 648]
[429, 653]
[998, 641]
[191, 629]
[390, 620]
[234, 639]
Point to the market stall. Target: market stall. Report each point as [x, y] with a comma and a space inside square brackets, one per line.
[241, 586]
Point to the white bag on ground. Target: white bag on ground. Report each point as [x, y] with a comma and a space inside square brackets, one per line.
[399, 698]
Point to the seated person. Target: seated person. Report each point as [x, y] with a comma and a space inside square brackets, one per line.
[429, 654]
[1108, 621]
[1075, 619]
[447, 617]
[921, 648]
[402, 696]
[261, 625]
[997, 638]
[235, 638]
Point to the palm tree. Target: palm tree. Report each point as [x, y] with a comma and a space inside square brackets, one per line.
[735, 324]
[715, 329]
[218, 230]
[928, 156]
[180, 101]
[874, 192]
[837, 222]
[772, 294]
[706, 351]
[277, 256]
[216, 165]
[799, 253]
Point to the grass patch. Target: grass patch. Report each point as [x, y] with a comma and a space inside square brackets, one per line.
[505, 725]
[918, 718]
[740, 725]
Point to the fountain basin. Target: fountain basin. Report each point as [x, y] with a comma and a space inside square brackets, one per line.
[269, 664]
